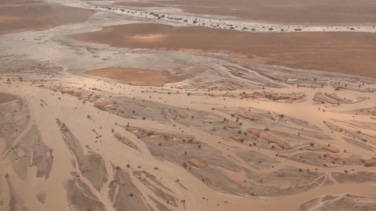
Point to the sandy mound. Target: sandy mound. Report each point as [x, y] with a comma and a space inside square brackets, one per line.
[231, 124]
[138, 77]
[333, 52]
[182, 114]
[197, 163]
[371, 162]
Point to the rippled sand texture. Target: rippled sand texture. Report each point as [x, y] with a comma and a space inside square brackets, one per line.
[115, 112]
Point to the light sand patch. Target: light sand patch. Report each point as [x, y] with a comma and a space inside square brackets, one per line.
[197, 163]
[182, 114]
[138, 77]
[272, 139]
[7, 19]
[196, 69]
[254, 131]
[148, 38]
[371, 162]
[247, 115]
[137, 4]
[237, 137]
[231, 124]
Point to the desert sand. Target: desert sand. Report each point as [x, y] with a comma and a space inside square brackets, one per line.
[117, 111]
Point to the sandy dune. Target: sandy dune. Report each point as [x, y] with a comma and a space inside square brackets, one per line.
[183, 118]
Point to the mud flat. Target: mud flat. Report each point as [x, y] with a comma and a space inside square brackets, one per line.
[136, 77]
[19, 16]
[333, 52]
[289, 11]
